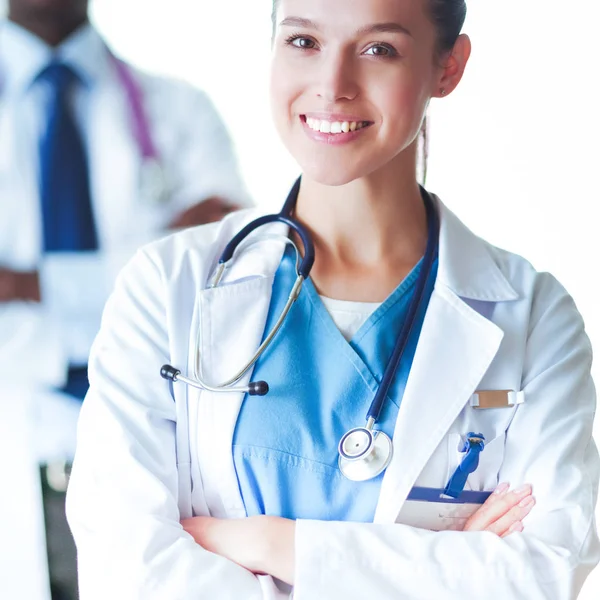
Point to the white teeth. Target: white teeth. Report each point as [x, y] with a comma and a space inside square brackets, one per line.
[334, 127]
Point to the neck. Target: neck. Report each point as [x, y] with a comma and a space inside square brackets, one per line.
[368, 219]
[374, 228]
[52, 28]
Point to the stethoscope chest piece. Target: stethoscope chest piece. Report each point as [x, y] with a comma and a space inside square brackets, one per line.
[364, 454]
[152, 182]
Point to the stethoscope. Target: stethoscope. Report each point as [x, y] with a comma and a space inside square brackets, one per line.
[152, 184]
[364, 452]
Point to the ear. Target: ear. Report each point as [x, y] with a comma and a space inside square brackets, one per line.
[453, 67]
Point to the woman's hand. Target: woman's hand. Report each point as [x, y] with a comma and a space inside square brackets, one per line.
[259, 544]
[503, 512]
[266, 544]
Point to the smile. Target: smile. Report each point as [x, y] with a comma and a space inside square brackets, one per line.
[335, 127]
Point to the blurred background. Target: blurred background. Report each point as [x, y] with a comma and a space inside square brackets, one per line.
[514, 152]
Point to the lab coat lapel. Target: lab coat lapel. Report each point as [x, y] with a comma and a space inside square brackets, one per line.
[455, 349]
[20, 225]
[230, 320]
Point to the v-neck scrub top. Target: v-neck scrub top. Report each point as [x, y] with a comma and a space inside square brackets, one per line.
[348, 316]
[285, 445]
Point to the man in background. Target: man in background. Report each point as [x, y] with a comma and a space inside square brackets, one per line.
[96, 158]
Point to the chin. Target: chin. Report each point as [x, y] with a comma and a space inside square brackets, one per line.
[326, 169]
[331, 172]
[328, 178]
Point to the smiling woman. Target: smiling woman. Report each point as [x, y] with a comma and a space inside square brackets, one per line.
[474, 470]
[388, 67]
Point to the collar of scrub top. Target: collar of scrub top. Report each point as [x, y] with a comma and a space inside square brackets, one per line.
[85, 52]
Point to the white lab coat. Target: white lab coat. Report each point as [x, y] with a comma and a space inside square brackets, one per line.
[493, 323]
[38, 342]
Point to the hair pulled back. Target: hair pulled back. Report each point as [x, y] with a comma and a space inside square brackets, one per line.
[448, 16]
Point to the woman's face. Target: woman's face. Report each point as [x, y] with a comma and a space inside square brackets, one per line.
[350, 82]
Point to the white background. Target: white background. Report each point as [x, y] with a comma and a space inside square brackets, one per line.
[515, 151]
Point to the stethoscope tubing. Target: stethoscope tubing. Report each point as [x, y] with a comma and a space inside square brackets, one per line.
[285, 218]
[431, 253]
[225, 386]
[140, 122]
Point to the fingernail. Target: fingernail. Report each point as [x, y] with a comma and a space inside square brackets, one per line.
[501, 489]
[523, 489]
[527, 502]
[516, 528]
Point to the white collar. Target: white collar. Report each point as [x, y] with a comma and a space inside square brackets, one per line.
[466, 265]
[23, 55]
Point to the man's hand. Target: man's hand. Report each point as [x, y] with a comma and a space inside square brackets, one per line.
[210, 210]
[503, 512]
[19, 286]
[259, 544]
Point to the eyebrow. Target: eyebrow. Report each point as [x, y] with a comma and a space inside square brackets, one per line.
[376, 28]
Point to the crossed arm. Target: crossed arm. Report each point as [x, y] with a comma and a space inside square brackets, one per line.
[25, 285]
[266, 544]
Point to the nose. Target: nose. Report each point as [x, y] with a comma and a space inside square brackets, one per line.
[337, 78]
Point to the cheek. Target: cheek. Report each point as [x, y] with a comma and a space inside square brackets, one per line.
[403, 105]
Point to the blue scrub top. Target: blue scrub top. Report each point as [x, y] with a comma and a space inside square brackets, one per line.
[285, 443]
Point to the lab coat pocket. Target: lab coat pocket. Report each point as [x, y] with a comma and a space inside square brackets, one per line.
[427, 509]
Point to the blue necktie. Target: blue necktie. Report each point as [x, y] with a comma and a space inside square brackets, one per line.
[68, 222]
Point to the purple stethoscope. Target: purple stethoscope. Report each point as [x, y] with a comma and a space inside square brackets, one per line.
[153, 184]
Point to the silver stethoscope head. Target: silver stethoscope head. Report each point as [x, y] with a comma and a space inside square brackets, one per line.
[364, 453]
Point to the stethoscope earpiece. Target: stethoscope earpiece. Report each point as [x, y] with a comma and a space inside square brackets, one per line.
[258, 388]
[255, 388]
[169, 373]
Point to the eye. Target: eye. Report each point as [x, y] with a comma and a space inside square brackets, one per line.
[299, 41]
[383, 50]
